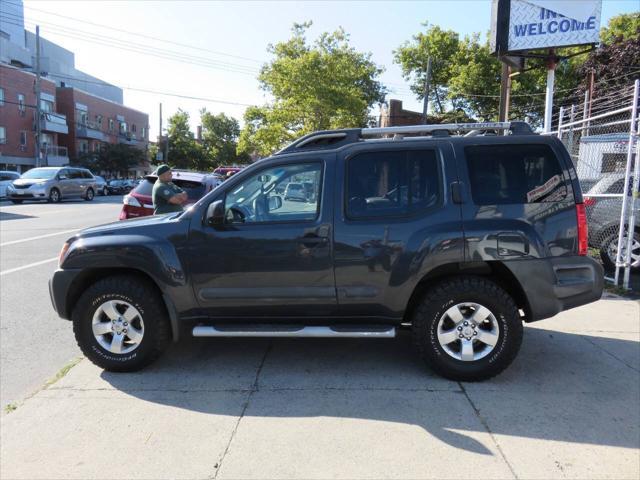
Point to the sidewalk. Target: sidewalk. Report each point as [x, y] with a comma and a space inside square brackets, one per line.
[286, 408]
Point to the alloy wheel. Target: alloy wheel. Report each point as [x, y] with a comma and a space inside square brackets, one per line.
[118, 327]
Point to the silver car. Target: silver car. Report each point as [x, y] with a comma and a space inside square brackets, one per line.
[52, 184]
[6, 177]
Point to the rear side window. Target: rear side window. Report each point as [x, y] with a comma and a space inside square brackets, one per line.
[501, 174]
[381, 184]
[195, 190]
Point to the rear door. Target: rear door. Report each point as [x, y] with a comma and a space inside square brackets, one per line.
[519, 200]
[66, 183]
[395, 220]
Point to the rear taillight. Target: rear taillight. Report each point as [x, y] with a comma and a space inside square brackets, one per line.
[582, 229]
[589, 201]
[130, 200]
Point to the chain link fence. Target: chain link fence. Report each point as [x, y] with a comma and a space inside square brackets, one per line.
[601, 136]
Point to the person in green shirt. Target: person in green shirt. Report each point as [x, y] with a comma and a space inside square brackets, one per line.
[167, 197]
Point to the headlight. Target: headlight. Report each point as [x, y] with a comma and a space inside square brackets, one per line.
[132, 201]
[63, 253]
[10, 187]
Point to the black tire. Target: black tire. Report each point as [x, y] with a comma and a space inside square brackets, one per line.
[54, 196]
[146, 299]
[89, 196]
[608, 262]
[450, 293]
[105, 191]
[16, 202]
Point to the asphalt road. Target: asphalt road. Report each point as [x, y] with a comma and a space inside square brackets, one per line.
[34, 342]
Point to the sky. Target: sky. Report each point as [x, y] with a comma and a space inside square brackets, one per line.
[232, 38]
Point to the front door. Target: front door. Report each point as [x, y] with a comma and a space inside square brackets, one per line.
[272, 258]
[66, 184]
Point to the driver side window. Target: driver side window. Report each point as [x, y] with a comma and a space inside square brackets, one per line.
[286, 193]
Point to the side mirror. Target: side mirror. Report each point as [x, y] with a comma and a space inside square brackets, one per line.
[215, 213]
[275, 203]
[264, 178]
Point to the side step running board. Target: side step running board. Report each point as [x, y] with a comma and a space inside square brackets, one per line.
[378, 331]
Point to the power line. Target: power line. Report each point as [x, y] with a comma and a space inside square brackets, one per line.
[149, 37]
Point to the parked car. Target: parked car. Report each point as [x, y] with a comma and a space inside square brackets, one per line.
[6, 177]
[117, 187]
[460, 238]
[223, 171]
[101, 186]
[140, 204]
[295, 191]
[603, 217]
[52, 184]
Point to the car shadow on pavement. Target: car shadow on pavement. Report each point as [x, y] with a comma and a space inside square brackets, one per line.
[563, 386]
[13, 216]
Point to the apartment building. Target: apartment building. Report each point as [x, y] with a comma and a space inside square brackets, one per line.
[18, 121]
[93, 121]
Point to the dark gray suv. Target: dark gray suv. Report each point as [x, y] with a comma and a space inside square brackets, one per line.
[53, 184]
[459, 238]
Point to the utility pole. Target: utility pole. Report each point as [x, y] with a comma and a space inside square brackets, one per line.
[505, 93]
[38, 111]
[159, 153]
[427, 81]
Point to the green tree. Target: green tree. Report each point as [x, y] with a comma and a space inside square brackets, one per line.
[621, 28]
[220, 139]
[442, 47]
[315, 86]
[184, 151]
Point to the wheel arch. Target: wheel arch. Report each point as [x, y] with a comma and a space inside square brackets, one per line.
[90, 276]
[495, 271]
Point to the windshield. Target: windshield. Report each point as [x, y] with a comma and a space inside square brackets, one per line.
[40, 173]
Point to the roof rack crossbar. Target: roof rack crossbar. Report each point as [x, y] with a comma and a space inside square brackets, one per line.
[457, 127]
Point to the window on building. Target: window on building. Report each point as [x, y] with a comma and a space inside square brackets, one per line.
[143, 133]
[516, 174]
[133, 127]
[111, 125]
[46, 106]
[21, 105]
[99, 122]
[381, 184]
[83, 146]
[123, 128]
[1, 97]
[3, 135]
[81, 117]
[23, 138]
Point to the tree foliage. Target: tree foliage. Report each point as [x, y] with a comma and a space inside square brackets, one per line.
[184, 151]
[220, 139]
[320, 85]
[114, 159]
[621, 28]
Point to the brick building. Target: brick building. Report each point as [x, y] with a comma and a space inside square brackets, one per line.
[93, 120]
[18, 117]
[393, 115]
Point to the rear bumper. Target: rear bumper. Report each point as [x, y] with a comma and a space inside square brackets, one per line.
[552, 285]
[59, 287]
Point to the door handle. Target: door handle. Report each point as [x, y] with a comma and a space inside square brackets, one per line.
[313, 240]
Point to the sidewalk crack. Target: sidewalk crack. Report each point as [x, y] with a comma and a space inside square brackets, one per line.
[486, 427]
[254, 388]
[609, 353]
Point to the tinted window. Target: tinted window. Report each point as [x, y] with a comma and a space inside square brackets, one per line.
[195, 190]
[392, 183]
[75, 174]
[87, 174]
[501, 174]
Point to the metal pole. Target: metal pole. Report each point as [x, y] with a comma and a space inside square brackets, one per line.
[427, 81]
[625, 196]
[633, 142]
[570, 140]
[505, 93]
[560, 117]
[160, 133]
[548, 101]
[38, 112]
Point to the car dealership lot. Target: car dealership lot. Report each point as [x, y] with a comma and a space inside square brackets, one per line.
[283, 408]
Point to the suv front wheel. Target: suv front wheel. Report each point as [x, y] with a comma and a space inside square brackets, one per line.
[120, 323]
[467, 329]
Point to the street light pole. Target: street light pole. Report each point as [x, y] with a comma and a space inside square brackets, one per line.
[38, 108]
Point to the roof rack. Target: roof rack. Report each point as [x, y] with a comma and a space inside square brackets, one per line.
[330, 139]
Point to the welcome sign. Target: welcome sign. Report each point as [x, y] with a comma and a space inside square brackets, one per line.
[519, 25]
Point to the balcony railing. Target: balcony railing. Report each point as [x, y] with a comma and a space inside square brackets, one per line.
[89, 130]
[53, 122]
[55, 156]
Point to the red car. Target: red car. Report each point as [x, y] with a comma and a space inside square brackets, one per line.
[224, 170]
[139, 203]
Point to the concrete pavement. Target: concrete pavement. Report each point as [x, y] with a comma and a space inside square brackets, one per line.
[294, 408]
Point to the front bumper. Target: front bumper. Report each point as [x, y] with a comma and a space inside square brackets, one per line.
[27, 193]
[553, 285]
[60, 285]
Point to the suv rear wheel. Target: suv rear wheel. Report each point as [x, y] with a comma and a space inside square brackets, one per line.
[467, 329]
[120, 323]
